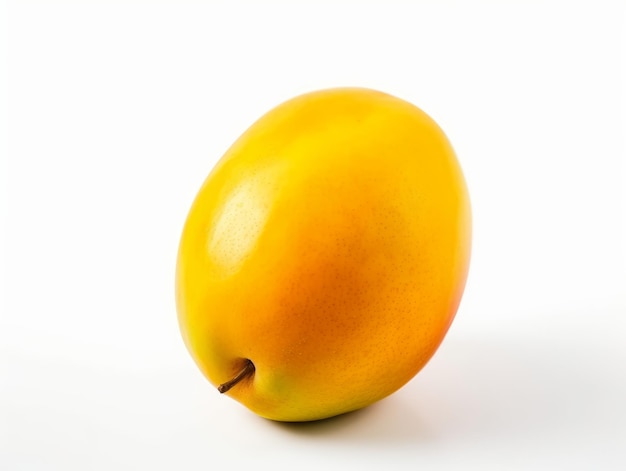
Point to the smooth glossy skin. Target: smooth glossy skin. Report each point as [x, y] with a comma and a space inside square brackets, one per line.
[330, 246]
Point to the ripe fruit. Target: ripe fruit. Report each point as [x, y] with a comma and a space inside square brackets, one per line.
[325, 256]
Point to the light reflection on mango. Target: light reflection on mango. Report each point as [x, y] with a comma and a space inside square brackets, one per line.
[238, 225]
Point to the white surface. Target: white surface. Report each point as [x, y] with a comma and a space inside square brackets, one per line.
[117, 111]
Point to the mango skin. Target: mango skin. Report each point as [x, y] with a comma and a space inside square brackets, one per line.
[330, 245]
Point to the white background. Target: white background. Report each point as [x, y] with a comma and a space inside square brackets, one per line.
[118, 110]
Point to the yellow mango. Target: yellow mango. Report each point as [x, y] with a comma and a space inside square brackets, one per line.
[325, 256]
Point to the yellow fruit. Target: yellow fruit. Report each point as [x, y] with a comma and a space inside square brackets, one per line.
[325, 256]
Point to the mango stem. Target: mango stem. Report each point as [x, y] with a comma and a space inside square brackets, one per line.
[247, 370]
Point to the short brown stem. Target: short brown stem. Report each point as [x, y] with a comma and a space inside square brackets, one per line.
[247, 370]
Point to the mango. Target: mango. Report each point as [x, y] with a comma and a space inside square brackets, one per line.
[324, 258]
